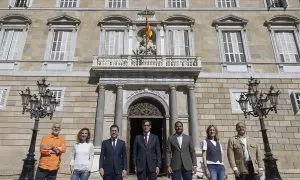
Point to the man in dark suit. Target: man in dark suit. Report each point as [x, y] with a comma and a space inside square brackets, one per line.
[181, 156]
[113, 157]
[146, 154]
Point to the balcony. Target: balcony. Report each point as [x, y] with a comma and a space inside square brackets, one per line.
[147, 63]
[158, 68]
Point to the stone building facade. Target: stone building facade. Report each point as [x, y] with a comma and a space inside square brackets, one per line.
[202, 55]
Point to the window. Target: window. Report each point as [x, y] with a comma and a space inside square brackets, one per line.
[114, 42]
[114, 36]
[61, 43]
[3, 96]
[116, 3]
[234, 97]
[67, 3]
[276, 4]
[179, 38]
[285, 40]
[288, 51]
[226, 3]
[58, 93]
[179, 42]
[295, 99]
[176, 3]
[9, 46]
[233, 45]
[13, 33]
[19, 3]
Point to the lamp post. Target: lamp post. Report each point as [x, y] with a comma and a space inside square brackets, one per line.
[39, 107]
[262, 104]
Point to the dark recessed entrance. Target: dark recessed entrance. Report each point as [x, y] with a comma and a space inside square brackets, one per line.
[150, 109]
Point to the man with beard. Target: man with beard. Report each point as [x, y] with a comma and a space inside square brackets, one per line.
[244, 155]
[181, 156]
[113, 157]
[52, 146]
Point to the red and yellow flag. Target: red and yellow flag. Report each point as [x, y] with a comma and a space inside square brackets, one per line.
[148, 30]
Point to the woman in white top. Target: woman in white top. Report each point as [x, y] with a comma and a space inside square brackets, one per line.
[82, 156]
[212, 152]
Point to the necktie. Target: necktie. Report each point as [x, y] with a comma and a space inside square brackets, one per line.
[114, 143]
[145, 138]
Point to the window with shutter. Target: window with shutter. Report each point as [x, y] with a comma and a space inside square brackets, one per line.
[233, 46]
[295, 99]
[61, 45]
[19, 3]
[179, 42]
[116, 3]
[177, 3]
[114, 42]
[10, 44]
[58, 93]
[226, 3]
[68, 3]
[3, 97]
[287, 48]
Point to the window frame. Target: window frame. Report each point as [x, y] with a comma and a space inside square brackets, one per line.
[190, 38]
[12, 2]
[107, 5]
[237, 3]
[167, 5]
[3, 106]
[295, 105]
[56, 24]
[61, 104]
[58, 2]
[268, 5]
[234, 103]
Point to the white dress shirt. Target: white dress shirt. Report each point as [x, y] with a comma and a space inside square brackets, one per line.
[148, 134]
[179, 139]
[82, 156]
[112, 142]
[246, 153]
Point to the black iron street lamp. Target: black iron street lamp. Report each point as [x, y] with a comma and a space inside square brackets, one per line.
[262, 104]
[39, 107]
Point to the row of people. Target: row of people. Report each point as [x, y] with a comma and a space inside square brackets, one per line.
[243, 155]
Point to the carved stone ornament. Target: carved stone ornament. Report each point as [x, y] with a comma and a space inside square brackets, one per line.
[144, 109]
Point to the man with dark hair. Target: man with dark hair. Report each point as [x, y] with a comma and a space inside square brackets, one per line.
[244, 155]
[113, 157]
[181, 156]
[146, 154]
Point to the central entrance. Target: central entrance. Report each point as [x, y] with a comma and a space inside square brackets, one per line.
[146, 109]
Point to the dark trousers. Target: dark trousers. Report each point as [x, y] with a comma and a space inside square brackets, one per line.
[146, 174]
[43, 174]
[251, 175]
[112, 176]
[182, 173]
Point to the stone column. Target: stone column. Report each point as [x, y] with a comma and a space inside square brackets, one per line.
[98, 133]
[193, 125]
[119, 106]
[173, 109]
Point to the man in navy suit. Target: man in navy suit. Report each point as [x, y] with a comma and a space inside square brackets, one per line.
[146, 154]
[113, 157]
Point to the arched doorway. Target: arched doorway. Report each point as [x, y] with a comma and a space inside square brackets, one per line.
[150, 109]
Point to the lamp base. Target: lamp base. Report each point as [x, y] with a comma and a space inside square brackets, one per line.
[28, 169]
[271, 169]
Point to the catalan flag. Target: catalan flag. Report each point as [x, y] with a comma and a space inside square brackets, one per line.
[148, 30]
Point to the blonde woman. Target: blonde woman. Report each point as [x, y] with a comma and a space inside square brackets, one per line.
[213, 155]
[82, 156]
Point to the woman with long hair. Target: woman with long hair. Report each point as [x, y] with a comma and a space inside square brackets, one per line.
[82, 156]
[212, 152]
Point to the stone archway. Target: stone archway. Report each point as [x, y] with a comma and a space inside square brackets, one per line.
[150, 109]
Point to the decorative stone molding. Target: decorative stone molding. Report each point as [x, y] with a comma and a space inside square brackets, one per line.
[15, 19]
[115, 20]
[282, 20]
[230, 20]
[63, 20]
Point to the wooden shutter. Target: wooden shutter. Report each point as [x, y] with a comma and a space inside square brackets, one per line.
[294, 102]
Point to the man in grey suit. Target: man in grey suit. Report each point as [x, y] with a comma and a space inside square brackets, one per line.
[181, 157]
